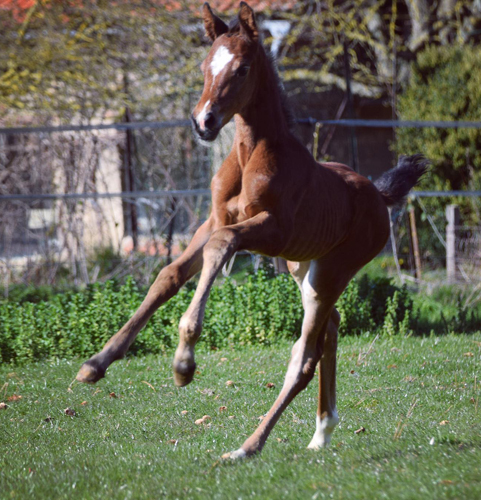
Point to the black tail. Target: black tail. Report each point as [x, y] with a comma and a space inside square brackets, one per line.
[395, 184]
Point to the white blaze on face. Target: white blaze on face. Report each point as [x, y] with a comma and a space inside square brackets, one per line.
[220, 60]
[201, 116]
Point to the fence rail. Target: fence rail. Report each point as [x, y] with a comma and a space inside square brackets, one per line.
[46, 235]
[186, 123]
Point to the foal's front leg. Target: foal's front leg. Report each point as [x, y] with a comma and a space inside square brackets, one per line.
[260, 233]
[167, 284]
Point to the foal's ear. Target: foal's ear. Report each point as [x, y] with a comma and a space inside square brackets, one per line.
[214, 27]
[248, 21]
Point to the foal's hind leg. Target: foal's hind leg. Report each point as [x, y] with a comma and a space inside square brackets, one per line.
[320, 292]
[166, 285]
[327, 417]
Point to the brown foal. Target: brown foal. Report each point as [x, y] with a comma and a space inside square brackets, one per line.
[271, 197]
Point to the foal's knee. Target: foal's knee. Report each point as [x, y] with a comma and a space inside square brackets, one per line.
[169, 281]
[223, 241]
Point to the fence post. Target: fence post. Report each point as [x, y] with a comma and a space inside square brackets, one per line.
[350, 107]
[414, 237]
[170, 232]
[452, 216]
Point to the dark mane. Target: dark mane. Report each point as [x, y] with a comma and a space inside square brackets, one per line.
[234, 29]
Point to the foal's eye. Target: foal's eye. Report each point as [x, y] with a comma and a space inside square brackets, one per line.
[242, 71]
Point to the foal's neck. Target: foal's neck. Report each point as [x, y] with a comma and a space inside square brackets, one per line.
[263, 118]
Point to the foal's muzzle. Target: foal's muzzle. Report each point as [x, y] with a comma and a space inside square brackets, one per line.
[210, 130]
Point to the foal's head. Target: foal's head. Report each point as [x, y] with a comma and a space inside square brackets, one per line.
[229, 71]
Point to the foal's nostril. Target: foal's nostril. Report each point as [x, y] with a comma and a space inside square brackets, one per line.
[209, 120]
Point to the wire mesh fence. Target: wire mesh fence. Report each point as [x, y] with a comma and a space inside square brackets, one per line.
[81, 204]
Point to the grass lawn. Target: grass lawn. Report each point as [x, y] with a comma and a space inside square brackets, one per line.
[133, 434]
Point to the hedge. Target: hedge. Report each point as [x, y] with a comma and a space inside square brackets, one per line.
[260, 311]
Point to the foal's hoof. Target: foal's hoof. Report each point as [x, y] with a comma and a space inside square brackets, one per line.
[183, 373]
[235, 455]
[90, 373]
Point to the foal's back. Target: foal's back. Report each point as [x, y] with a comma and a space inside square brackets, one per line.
[319, 204]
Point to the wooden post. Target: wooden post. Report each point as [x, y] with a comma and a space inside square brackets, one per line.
[452, 216]
[280, 265]
[414, 236]
[129, 180]
[350, 107]
[170, 232]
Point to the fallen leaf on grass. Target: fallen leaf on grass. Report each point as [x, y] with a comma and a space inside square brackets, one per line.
[202, 420]
[97, 391]
[446, 481]
[270, 385]
[14, 397]
[444, 422]
[184, 412]
[70, 412]
[48, 419]
[361, 429]
[468, 354]
[229, 383]
[390, 367]
[83, 403]
[112, 395]
[473, 400]
[173, 441]
[231, 417]
[149, 384]
[223, 359]
[222, 408]
[3, 406]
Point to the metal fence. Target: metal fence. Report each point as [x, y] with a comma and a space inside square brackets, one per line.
[87, 202]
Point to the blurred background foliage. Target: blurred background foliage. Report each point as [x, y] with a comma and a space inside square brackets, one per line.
[84, 59]
[445, 84]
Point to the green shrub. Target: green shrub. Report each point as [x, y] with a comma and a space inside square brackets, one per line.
[259, 311]
[445, 85]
